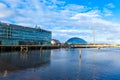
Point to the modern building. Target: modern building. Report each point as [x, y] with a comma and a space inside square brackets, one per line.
[55, 42]
[76, 40]
[11, 34]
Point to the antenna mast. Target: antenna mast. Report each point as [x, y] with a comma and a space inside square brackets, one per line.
[94, 34]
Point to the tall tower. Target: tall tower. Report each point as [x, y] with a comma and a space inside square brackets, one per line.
[94, 33]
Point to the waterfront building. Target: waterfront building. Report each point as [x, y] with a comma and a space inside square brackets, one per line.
[11, 34]
[55, 42]
[76, 40]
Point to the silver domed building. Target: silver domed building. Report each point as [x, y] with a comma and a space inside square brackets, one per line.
[55, 42]
[76, 40]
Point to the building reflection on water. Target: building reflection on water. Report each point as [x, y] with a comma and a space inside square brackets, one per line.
[14, 61]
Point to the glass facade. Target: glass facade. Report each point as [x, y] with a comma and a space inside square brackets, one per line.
[19, 35]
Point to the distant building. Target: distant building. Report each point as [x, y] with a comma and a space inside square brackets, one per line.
[11, 34]
[55, 42]
[76, 40]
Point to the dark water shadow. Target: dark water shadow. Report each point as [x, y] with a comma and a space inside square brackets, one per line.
[15, 61]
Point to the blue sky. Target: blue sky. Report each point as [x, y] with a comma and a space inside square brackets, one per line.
[67, 18]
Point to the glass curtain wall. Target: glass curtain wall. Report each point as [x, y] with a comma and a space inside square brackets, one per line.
[18, 35]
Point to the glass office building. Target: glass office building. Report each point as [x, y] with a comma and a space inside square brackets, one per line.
[19, 35]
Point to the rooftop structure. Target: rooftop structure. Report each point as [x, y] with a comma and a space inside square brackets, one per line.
[11, 34]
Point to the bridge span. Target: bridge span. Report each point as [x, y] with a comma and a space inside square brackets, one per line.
[40, 47]
[96, 46]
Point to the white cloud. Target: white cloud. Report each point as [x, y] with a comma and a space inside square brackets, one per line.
[110, 5]
[87, 15]
[107, 12]
[76, 8]
[65, 21]
[4, 11]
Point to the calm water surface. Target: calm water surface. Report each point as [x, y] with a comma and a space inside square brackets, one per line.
[61, 64]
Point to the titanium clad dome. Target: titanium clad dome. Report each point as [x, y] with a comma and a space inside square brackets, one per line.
[55, 42]
[76, 40]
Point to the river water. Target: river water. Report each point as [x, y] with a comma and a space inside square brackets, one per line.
[61, 64]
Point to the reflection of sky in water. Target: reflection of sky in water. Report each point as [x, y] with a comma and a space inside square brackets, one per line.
[70, 64]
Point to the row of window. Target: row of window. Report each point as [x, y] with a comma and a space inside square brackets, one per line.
[20, 33]
[23, 35]
[27, 29]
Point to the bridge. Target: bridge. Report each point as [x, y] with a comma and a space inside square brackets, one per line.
[96, 46]
[40, 47]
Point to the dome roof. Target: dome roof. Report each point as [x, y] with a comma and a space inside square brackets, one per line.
[76, 40]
